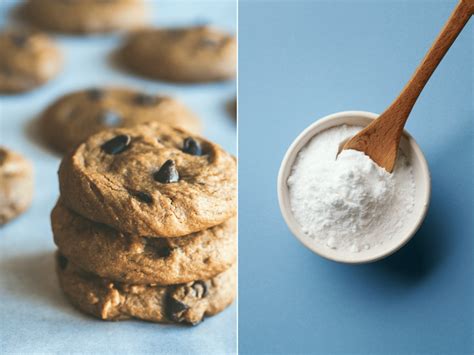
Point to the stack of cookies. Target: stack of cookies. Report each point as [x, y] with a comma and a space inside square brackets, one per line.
[145, 225]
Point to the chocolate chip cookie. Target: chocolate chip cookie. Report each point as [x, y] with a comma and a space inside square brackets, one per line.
[27, 60]
[16, 184]
[196, 54]
[74, 117]
[150, 180]
[86, 16]
[108, 253]
[186, 303]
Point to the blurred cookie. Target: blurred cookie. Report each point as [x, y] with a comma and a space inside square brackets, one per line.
[27, 60]
[86, 16]
[150, 180]
[16, 185]
[72, 118]
[108, 253]
[195, 54]
[186, 303]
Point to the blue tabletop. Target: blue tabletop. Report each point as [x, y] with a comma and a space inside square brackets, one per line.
[299, 61]
[34, 315]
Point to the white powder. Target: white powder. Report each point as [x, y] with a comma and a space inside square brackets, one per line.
[348, 203]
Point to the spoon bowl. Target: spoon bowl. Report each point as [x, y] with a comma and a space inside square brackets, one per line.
[380, 139]
[422, 190]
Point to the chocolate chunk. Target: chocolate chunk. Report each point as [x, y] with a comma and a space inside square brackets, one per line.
[19, 39]
[164, 252]
[62, 261]
[95, 94]
[6, 71]
[190, 146]
[110, 118]
[175, 309]
[117, 144]
[143, 196]
[158, 247]
[175, 33]
[208, 42]
[167, 173]
[201, 288]
[3, 156]
[145, 99]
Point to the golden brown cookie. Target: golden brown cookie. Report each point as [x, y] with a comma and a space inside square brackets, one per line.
[27, 60]
[186, 303]
[86, 16]
[16, 185]
[150, 180]
[195, 54]
[72, 118]
[143, 260]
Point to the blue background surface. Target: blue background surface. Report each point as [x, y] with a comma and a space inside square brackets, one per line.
[302, 60]
[35, 317]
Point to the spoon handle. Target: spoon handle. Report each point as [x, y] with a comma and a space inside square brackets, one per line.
[404, 103]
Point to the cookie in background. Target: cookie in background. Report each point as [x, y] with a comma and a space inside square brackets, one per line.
[72, 118]
[85, 16]
[28, 59]
[16, 184]
[182, 54]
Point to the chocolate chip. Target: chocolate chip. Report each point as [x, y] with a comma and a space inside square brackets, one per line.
[109, 118]
[167, 173]
[95, 94]
[62, 261]
[158, 247]
[164, 252]
[208, 42]
[19, 39]
[6, 70]
[200, 286]
[117, 144]
[3, 156]
[145, 99]
[175, 33]
[175, 309]
[190, 146]
[143, 196]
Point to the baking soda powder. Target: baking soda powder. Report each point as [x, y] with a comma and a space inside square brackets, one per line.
[349, 203]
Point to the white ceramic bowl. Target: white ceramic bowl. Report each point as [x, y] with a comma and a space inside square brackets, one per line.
[422, 193]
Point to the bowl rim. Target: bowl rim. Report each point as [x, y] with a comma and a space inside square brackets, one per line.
[285, 168]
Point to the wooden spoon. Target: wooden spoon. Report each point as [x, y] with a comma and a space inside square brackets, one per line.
[380, 139]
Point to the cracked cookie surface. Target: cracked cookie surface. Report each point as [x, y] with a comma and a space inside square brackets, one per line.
[194, 54]
[150, 180]
[72, 118]
[27, 60]
[16, 185]
[108, 253]
[85, 16]
[186, 303]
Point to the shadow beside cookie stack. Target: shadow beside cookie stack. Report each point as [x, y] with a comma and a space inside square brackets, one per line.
[146, 225]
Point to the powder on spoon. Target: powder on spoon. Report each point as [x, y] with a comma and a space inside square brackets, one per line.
[349, 203]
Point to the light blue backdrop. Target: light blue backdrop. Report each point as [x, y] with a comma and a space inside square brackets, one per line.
[34, 315]
[299, 61]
